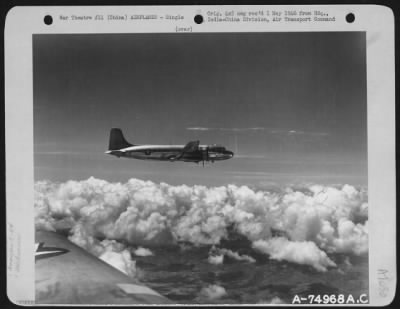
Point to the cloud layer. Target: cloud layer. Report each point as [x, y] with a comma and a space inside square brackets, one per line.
[313, 221]
[212, 292]
[216, 256]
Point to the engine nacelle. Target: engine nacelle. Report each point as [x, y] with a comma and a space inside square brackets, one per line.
[216, 148]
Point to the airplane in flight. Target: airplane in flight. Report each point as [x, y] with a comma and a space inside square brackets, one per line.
[191, 152]
[68, 274]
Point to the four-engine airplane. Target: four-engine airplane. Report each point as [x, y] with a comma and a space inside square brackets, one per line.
[191, 152]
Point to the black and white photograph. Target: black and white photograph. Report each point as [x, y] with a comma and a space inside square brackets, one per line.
[205, 155]
[213, 168]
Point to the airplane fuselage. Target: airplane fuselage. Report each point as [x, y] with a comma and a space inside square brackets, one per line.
[173, 153]
[191, 152]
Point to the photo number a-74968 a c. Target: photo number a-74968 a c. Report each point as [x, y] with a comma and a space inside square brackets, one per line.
[330, 299]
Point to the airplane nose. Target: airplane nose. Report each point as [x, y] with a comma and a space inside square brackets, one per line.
[229, 153]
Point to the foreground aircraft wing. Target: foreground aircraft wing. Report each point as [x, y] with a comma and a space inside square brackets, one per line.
[67, 274]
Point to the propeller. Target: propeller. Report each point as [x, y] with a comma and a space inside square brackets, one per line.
[204, 155]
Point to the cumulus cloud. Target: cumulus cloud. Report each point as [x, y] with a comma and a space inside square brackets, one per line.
[274, 300]
[216, 259]
[314, 221]
[143, 252]
[301, 252]
[237, 256]
[121, 261]
[212, 292]
[216, 256]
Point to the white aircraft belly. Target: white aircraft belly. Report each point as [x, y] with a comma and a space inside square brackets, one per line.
[153, 155]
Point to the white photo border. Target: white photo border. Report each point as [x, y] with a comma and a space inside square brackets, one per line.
[22, 22]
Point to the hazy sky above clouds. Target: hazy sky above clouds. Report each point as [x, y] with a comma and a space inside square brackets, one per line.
[304, 92]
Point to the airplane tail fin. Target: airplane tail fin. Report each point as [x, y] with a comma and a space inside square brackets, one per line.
[117, 140]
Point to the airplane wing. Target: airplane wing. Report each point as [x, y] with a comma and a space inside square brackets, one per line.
[191, 146]
[67, 274]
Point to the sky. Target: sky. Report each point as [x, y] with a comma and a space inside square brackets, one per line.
[292, 106]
